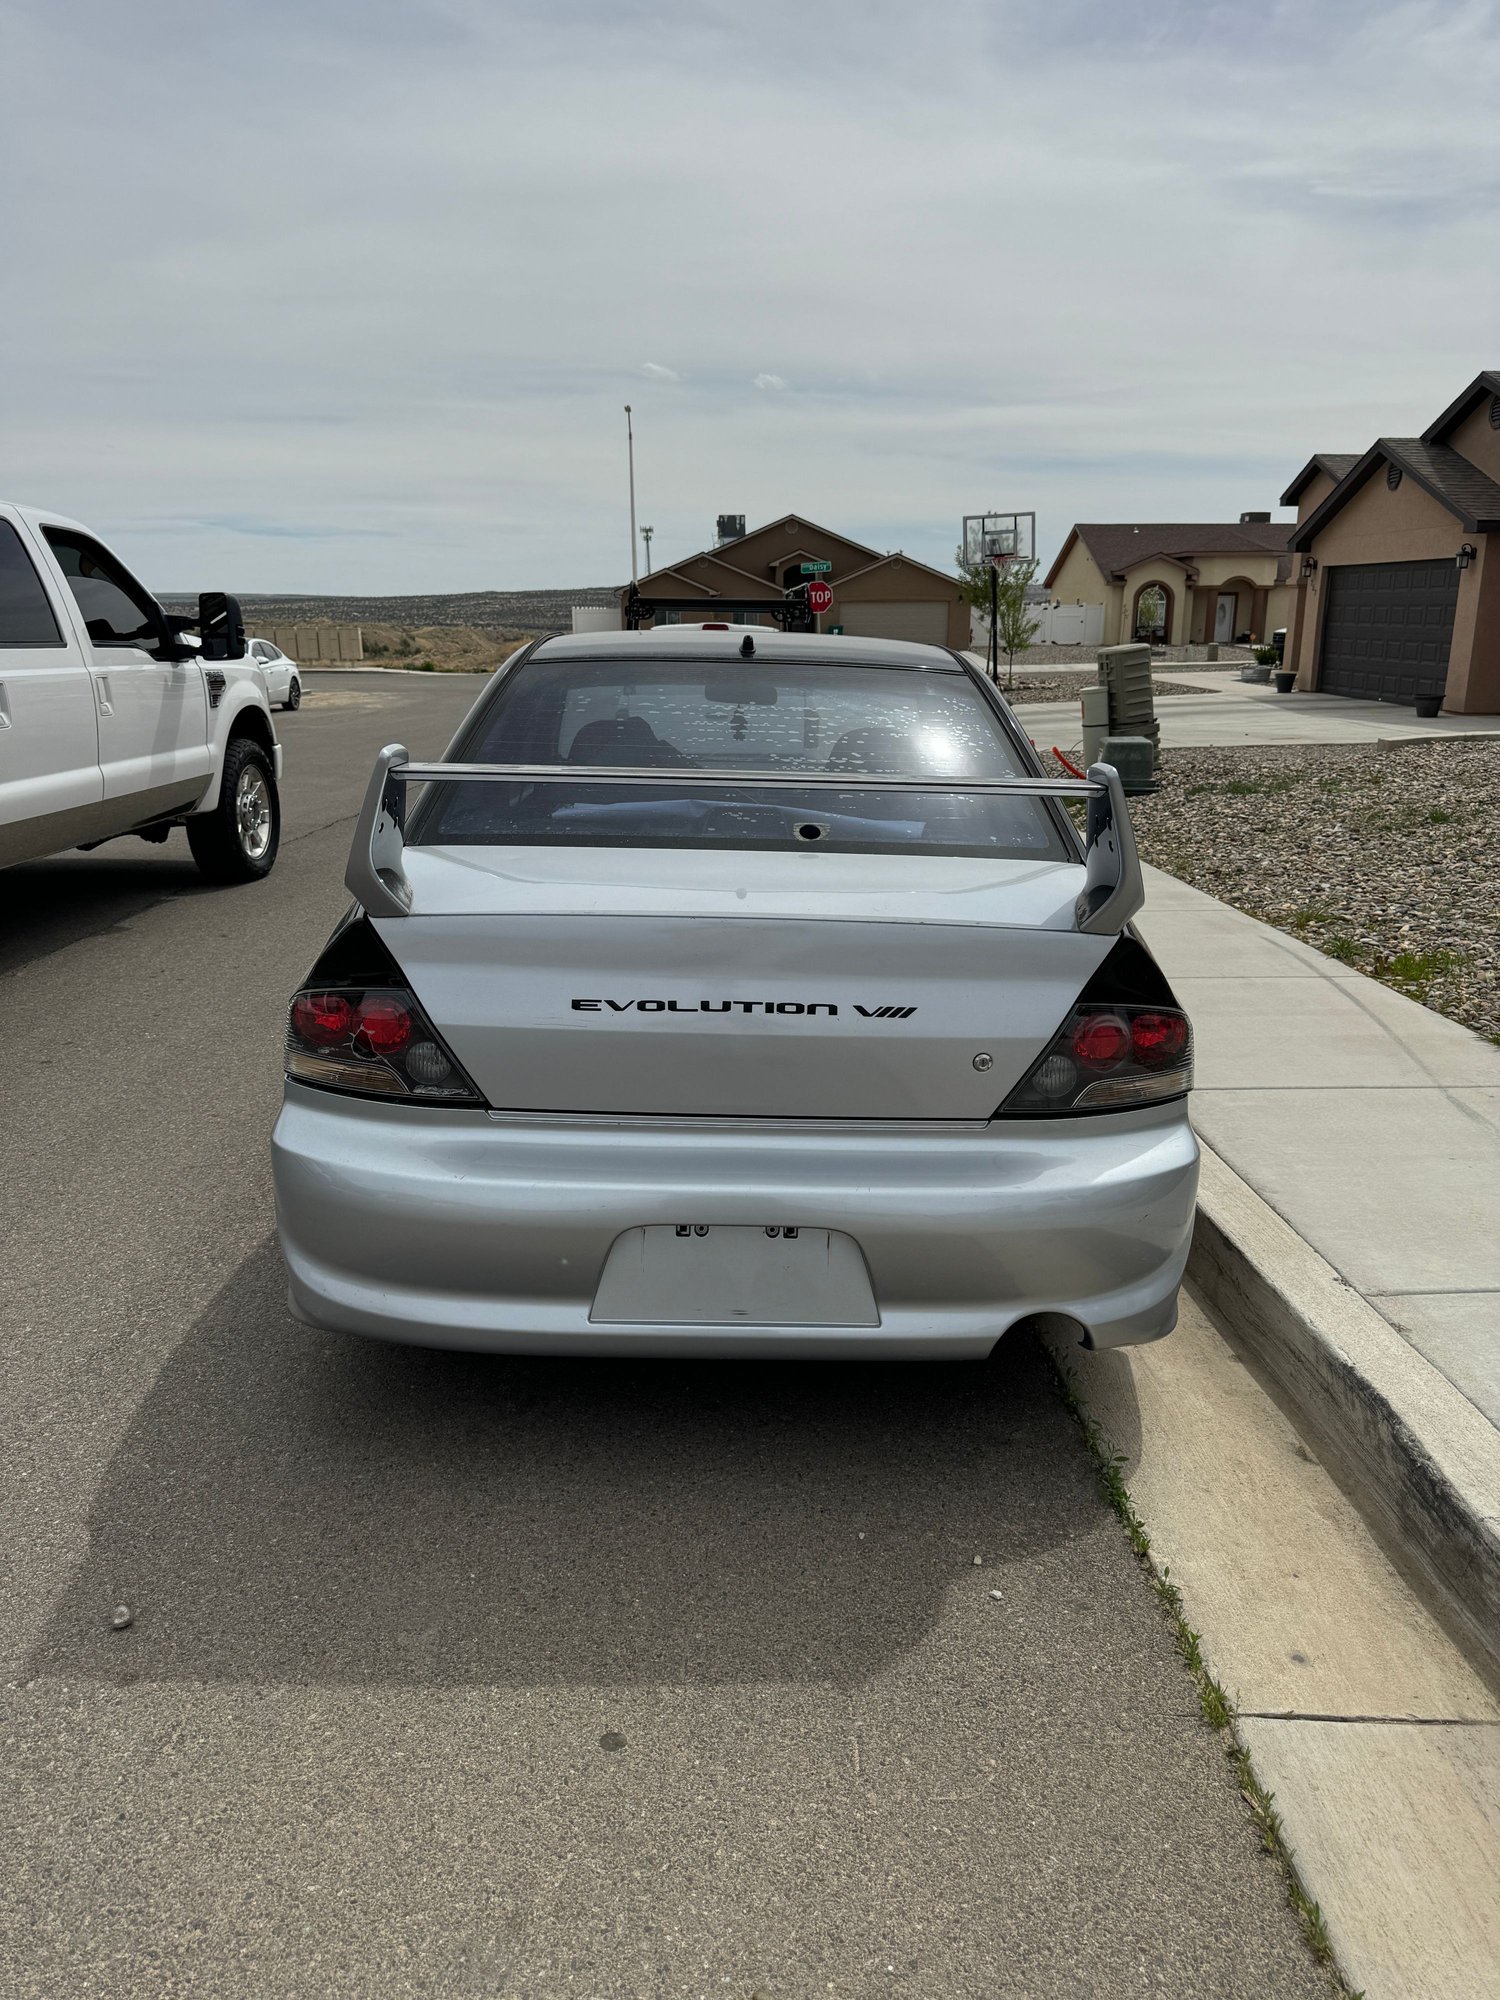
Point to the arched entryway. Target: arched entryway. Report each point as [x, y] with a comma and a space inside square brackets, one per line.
[1151, 614]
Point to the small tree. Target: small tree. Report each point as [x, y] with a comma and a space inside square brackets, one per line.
[1015, 628]
[974, 582]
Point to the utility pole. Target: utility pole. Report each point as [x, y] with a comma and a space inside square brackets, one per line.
[646, 534]
[630, 447]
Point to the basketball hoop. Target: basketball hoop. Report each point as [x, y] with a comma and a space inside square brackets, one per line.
[1012, 534]
[994, 542]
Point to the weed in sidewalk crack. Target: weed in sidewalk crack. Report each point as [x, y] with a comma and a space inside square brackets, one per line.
[1214, 1704]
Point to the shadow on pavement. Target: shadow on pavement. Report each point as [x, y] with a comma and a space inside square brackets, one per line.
[52, 904]
[295, 1507]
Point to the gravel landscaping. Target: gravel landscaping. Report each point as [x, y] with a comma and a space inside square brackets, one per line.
[1066, 687]
[1383, 859]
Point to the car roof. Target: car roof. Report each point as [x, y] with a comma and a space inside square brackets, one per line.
[801, 648]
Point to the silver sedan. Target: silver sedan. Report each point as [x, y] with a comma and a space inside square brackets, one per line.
[736, 994]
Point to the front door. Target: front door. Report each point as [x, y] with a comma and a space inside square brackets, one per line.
[153, 713]
[1224, 617]
[50, 785]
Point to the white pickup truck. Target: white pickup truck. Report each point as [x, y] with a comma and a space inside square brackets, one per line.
[118, 718]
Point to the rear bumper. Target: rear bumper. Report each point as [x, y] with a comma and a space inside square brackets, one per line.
[489, 1231]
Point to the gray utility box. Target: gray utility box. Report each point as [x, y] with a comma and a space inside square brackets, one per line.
[1134, 757]
[1125, 671]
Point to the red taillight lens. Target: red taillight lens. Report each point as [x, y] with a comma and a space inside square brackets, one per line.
[382, 1025]
[1106, 1058]
[372, 1042]
[1158, 1040]
[1100, 1041]
[323, 1020]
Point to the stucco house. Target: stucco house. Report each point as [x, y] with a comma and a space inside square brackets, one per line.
[877, 594]
[1397, 563]
[1179, 583]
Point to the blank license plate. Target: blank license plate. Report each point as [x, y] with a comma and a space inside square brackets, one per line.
[694, 1274]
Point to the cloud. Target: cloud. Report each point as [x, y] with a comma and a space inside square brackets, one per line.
[395, 321]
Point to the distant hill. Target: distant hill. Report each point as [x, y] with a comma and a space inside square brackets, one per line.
[499, 614]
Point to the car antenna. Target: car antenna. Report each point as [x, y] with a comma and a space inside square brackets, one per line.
[747, 648]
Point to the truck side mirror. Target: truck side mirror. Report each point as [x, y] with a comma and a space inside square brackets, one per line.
[222, 626]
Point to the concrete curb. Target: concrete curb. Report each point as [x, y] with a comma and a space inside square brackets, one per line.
[1417, 1456]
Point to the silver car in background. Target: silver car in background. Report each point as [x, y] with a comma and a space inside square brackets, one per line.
[739, 994]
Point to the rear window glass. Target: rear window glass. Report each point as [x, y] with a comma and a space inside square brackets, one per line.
[25, 615]
[682, 716]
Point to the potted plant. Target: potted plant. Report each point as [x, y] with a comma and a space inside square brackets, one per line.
[1427, 705]
[1284, 676]
[1265, 659]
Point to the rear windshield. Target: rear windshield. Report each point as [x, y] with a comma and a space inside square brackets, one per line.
[683, 716]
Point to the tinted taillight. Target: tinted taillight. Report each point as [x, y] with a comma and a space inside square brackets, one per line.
[1106, 1058]
[374, 1042]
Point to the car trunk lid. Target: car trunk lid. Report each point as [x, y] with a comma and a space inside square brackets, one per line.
[671, 983]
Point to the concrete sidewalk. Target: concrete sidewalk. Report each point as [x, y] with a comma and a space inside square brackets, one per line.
[1229, 711]
[1369, 1123]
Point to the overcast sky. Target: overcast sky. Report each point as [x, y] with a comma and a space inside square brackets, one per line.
[327, 295]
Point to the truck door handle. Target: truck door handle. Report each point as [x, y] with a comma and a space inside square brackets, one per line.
[4, 707]
[101, 691]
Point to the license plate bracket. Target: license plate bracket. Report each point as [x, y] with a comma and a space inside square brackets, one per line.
[734, 1274]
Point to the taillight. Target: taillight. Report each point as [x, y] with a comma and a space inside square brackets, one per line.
[1107, 1059]
[375, 1042]
[323, 1020]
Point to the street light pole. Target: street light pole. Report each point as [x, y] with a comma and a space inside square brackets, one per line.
[630, 447]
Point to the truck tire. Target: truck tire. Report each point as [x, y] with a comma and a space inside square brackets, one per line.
[237, 840]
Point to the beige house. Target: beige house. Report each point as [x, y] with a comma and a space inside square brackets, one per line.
[1179, 584]
[878, 596]
[1397, 554]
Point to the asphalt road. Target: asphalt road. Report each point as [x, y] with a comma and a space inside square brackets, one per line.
[492, 1678]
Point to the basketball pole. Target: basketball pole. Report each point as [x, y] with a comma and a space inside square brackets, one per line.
[994, 621]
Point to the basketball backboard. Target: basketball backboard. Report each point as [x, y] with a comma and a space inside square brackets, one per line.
[1010, 536]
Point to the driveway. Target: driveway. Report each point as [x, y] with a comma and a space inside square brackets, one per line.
[460, 1676]
[1229, 711]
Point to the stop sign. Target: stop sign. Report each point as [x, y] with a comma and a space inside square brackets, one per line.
[819, 596]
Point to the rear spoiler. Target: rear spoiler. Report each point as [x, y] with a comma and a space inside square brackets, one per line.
[1113, 889]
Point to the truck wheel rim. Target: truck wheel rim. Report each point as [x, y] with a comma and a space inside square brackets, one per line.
[252, 812]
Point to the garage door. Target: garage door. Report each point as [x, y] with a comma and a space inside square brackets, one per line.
[927, 623]
[1387, 629]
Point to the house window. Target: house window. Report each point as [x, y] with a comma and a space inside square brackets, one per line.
[1153, 610]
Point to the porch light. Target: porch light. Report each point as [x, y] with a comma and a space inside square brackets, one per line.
[1309, 565]
[1466, 555]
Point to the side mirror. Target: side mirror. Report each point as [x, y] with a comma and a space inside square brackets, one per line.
[222, 626]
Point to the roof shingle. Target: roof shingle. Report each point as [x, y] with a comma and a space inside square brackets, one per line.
[1117, 546]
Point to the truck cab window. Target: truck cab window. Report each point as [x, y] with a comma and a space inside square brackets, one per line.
[25, 615]
[115, 609]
